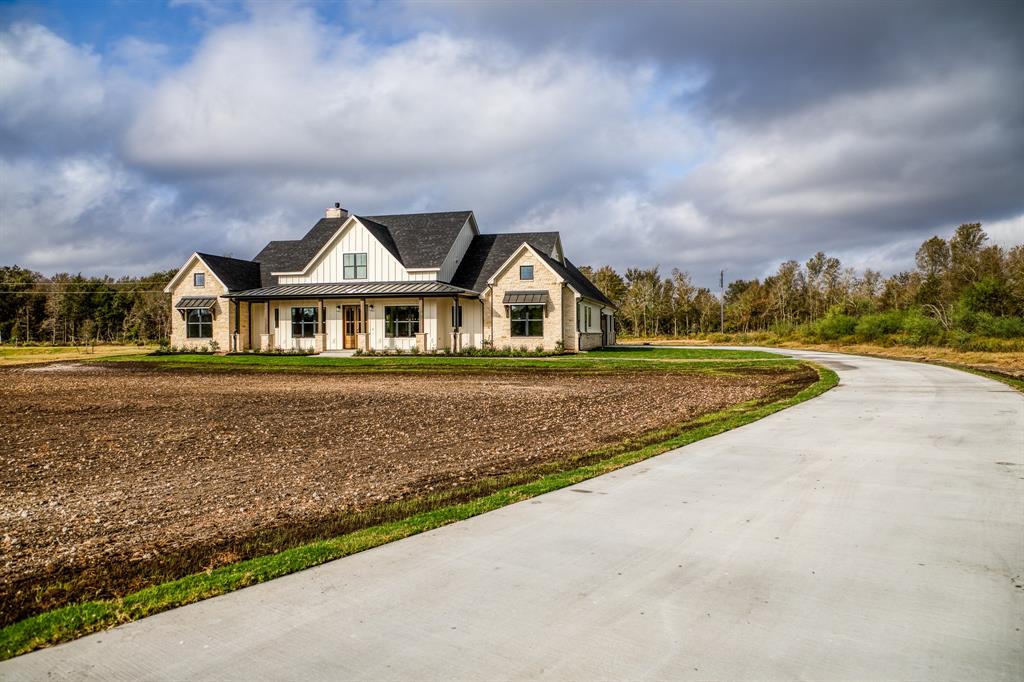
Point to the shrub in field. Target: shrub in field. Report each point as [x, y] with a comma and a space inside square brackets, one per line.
[987, 324]
[878, 326]
[919, 329]
[834, 326]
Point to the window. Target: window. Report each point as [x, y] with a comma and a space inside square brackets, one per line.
[401, 321]
[199, 324]
[456, 316]
[354, 265]
[588, 315]
[527, 320]
[525, 272]
[277, 318]
[199, 279]
[303, 323]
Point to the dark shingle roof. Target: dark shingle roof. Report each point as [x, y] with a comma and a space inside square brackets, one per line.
[422, 240]
[488, 252]
[571, 274]
[236, 273]
[418, 240]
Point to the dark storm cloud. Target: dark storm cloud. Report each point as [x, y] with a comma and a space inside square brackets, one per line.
[691, 135]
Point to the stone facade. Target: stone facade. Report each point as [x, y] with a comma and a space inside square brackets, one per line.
[590, 340]
[497, 325]
[222, 318]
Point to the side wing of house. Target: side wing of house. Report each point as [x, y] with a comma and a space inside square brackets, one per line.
[526, 304]
[199, 312]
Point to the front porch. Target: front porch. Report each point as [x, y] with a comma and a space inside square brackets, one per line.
[399, 316]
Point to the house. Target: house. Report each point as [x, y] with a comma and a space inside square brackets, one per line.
[392, 282]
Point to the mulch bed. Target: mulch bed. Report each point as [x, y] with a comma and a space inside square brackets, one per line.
[114, 478]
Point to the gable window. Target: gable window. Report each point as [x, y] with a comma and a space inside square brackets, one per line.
[525, 272]
[456, 316]
[304, 322]
[199, 279]
[401, 321]
[199, 324]
[354, 265]
[527, 320]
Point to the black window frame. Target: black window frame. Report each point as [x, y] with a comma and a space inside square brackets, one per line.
[521, 269]
[201, 327]
[525, 319]
[352, 270]
[199, 280]
[305, 327]
[404, 328]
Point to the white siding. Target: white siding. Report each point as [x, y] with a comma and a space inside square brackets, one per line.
[381, 266]
[595, 317]
[454, 257]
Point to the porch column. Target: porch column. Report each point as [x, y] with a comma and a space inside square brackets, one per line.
[421, 337]
[320, 338]
[235, 338]
[266, 340]
[456, 326]
[363, 335]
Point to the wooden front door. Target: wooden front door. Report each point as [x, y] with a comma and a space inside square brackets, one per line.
[352, 324]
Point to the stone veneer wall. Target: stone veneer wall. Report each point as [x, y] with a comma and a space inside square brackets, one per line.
[543, 280]
[221, 317]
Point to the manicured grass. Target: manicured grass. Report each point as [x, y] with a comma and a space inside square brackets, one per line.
[24, 355]
[662, 353]
[433, 363]
[80, 619]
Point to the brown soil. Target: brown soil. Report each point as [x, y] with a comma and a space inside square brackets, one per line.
[116, 478]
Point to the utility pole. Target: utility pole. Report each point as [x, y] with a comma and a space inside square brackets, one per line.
[721, 285]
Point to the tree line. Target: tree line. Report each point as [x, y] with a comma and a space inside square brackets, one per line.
[74, 309]
[961, 286]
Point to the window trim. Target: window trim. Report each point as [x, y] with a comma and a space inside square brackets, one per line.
[203, 325]
[350, 263]
[527, 322]
[526, 279]
[199, 280]
[391, 331]
[303, 323]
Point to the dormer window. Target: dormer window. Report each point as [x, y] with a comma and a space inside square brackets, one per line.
[354, 266]
[199, 279]
[525, 272]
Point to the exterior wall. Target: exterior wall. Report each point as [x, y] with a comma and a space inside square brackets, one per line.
[222, 324]
[569, 305]
[590, 340]
[544, 279]
[454, 257]
[381, 266]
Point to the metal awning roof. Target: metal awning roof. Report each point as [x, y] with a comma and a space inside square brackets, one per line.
[196, 303]
[351, 289]
[525, 297]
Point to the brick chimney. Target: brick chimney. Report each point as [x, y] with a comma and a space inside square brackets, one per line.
[336, 212]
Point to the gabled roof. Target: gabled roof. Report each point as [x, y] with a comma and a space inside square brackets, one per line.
[488, 252]
[422, 240]
[417, 240]
[235, 273]
[571, 274]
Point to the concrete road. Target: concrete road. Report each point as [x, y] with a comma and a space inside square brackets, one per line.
[876, 532]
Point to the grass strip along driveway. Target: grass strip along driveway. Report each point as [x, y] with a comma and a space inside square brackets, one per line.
[416, 514]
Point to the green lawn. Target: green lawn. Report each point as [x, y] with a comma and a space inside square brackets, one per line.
[596, 361]
[693, 353]
[80, 619]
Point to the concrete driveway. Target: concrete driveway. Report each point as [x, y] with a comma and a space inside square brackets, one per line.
[876, 532]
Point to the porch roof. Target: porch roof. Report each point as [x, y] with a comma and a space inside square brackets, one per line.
[350, 289]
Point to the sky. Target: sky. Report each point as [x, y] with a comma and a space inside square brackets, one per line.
[692, 135]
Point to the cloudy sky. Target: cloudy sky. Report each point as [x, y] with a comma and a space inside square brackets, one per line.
[696, 135]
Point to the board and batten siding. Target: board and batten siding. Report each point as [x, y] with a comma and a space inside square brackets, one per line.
[381, 265]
